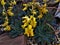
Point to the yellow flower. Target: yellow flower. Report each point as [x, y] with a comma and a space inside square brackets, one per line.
[10, 13]
[40, 16]
[25, 21]
[29, 23]
[23, 26]
[7, 28]
[25, 8]
[2, 2]
[44, 6]
[29, 31]
[5, 23]
[44, 10]
[14, 2]
[33, 21]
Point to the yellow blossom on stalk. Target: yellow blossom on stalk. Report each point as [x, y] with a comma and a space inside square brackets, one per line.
[44, 6]
[44, 10]
[29, 31]
[7, 28]
[23, 26]
[3, 2]
[10, 13]
[25, 21]
[5, 23]
[14, 2]
[25, 8]
[33, 21]
[40, 16]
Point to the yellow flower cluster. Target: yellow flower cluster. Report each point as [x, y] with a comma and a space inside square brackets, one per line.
[5, 25]
[29, 24]
[42, 10]
[9, 12]
[13, 2]
[25, 7]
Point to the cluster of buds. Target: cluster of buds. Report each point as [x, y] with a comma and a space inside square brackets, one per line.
[29, 25]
